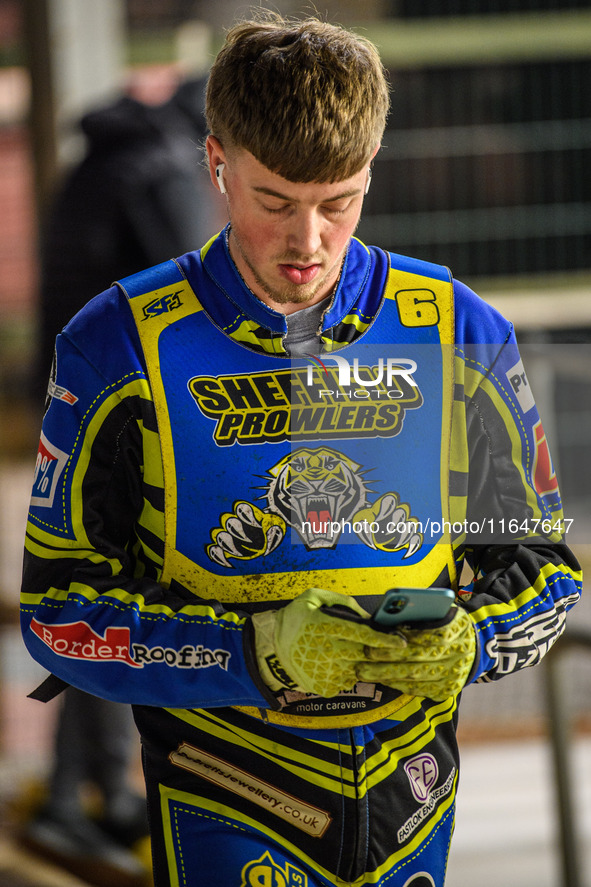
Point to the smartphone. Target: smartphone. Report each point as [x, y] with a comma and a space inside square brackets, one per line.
[402, 605]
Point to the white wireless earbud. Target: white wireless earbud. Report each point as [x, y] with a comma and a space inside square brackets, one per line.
[368, 182]
[219, 174]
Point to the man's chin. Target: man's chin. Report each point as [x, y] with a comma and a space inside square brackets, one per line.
[291, 294]
[293, 297]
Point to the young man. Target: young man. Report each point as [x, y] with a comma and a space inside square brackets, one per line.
[243, 450]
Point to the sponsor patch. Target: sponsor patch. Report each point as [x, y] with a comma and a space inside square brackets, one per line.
[77, 640]
[525, 644]
[544, 476]
[265, 872]
[189, 656]
[49, 467]
[422, 772]
[58, 392]
[419, 817]
[163, 304]
[303, 816]
[520, 386]
[55, 391]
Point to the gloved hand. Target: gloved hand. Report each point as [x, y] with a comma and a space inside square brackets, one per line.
[304, 647]
[432, 662]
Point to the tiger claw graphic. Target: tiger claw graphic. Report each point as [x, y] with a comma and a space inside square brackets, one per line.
[318, 492]
[245, 533]
[386, 525]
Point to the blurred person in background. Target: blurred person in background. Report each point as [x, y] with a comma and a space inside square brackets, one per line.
[139, 196]
[136, 199]
[245, 448]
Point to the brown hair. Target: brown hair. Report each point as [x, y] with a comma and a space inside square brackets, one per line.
[307, 98]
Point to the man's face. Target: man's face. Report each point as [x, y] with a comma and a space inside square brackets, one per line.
[288, 239]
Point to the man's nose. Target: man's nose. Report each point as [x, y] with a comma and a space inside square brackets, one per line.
[304, 234]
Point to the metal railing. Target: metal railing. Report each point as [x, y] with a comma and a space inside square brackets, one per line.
[559, 729]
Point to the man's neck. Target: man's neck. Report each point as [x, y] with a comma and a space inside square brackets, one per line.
[260, 293]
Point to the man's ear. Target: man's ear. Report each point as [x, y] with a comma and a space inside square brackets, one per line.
[369, 168]
[217, 159]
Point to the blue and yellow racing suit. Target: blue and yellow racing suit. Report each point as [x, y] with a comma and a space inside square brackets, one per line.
[190, 473]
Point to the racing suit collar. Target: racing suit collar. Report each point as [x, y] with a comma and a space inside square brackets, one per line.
[220, 266]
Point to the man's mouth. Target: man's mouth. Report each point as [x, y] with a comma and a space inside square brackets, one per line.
[298, 274]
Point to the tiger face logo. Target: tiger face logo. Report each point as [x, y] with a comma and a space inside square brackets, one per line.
[314, 490]
[318, 492]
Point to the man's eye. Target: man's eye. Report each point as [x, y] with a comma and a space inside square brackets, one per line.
[275, 209]
[337, 209]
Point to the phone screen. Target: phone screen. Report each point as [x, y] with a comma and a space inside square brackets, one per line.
[402, 605]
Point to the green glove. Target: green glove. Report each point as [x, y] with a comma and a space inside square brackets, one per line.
[435, 662]
[304, 647]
